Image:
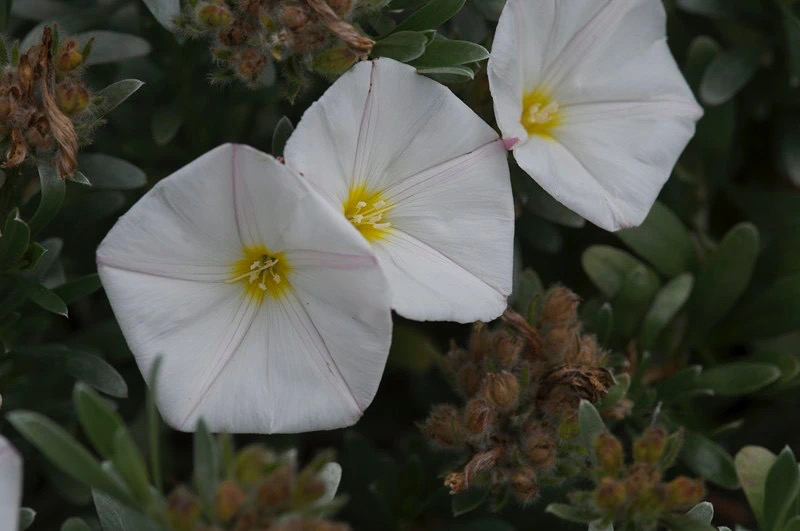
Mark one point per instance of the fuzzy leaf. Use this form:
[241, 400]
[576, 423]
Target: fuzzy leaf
[402, 46]
[431, 15]
[663, 240]
[781, 489]
[709, 460]
[728, 73]
[666, 305]
[752, 466]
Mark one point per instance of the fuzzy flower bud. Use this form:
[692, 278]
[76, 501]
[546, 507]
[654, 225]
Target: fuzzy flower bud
[276, 490]
[524, 485]
[307, 491]
[71, 97]
[69, 57]
[501, 389]
[228, 499]
[560, 307]
[610, 494]
[183, 510]
[443, 426]
[539, 447]
[609, 454]
[294, 17]
[478, 416]
[506, 350]
[214, 15]
[25, 75]
[683, 493]
[469, 378]
[650, 446]
[252, 463]
[249, 63]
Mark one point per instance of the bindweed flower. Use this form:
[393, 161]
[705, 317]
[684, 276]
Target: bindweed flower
[10, 485]
[423, 179]
[593, 103]
[270, 311]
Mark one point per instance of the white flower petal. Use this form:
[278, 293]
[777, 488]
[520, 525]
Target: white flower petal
[10, 486]
[625, 111]
[462, 214]
[309, 359]
[441, 169]
[183, 228]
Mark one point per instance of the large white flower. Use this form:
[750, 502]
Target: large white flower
[10, 486]
[593, 99]
[424, 179]
[270, 310]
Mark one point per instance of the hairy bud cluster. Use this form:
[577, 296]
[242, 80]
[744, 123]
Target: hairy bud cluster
[248, 35]
[522, 384]
[44, 102]
[262, 490]
[636, 492]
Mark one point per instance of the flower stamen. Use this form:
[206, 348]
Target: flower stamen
[540, 113]
[367, 212]
[262, 274]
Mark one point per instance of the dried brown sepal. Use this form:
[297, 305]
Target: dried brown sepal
[346, 32]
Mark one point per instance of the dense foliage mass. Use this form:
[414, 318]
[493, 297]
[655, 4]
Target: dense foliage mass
[641, 379]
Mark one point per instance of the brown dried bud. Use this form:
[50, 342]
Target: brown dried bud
[38, 134]
[539, 446]
[276, 490]
[72, 97]
[479, 416]
[235, 35]
[683, 493]
[482, 462]
[341, 7]
[17, 150]
[650, 446]
[560, 307]
[609, 454]
[524, 485]
[294, 17]
[501, 389]
[469, 379]
[589, 352]
[228, 499]
[444, 427]
[183, 510]
[456, 482]
[249, 63]
[68, 57]
[214, 15]
[561, 344]
[312, 37]
[252, 463]
[480, 342]
[610, 495]
[26, 77]
[506, 349]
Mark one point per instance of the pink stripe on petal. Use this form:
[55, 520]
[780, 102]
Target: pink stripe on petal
[509, 143]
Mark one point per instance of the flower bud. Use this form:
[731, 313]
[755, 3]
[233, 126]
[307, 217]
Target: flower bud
[312, 37]
[25, 75]
[71, 97]
[307, 491]
[610, 495]
[443, 426]
[560, 307]
[609, 454]
[643, 487]
[539, 446]
[248, 63]
[252, 463]
[228, 499]
[276, 490]
[183, 510]
[456, 482]
[650, 446]
[561, 344]
[234, 35]
[501, 389]
[294, 17]
[480, 342]
[478, 416]
[506, 349]
[214, 15]
[524, 485]
[683, 493]
[469, 379]
[68, 57]
[589, 352]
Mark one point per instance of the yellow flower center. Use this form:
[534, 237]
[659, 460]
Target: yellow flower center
[262, 273]
[367, 211]
[540, 113]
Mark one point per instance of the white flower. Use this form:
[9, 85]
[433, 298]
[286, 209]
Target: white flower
[424, 179]
[10, 486]
[270, 310]
[593, 99]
